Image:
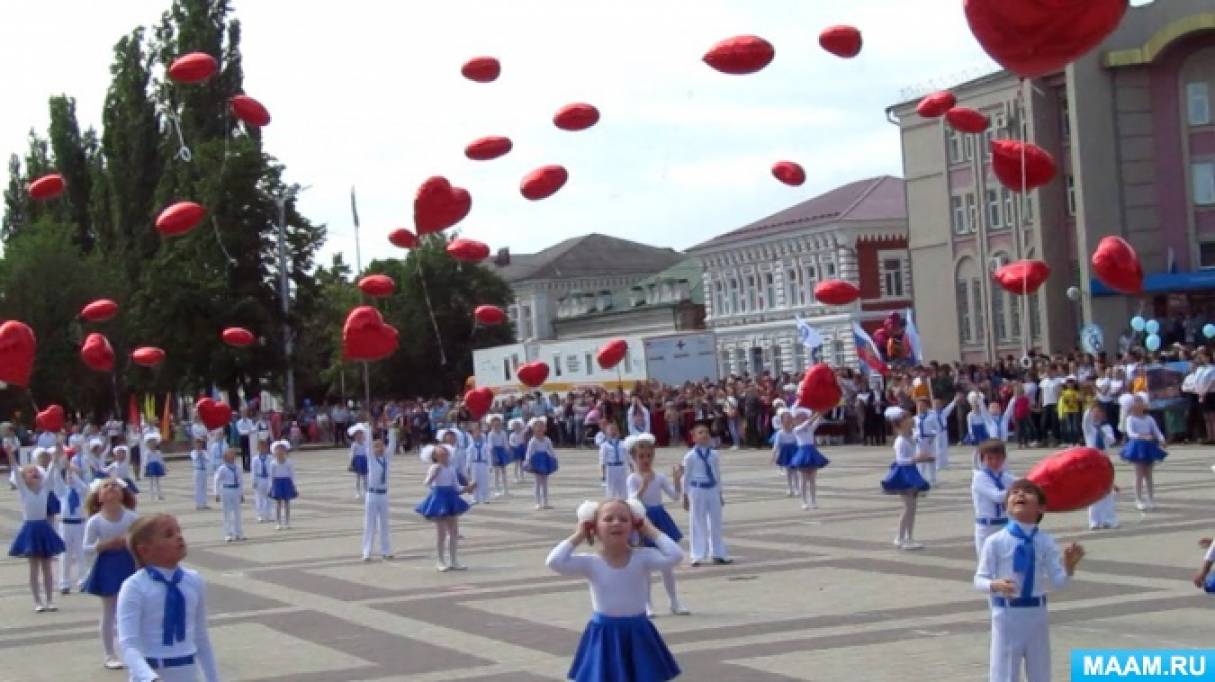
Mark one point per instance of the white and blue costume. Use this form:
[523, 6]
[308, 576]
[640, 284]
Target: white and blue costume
[500, 447]
[982, 426]
[639, 420]
[903, 475]
[615, 469]
[1104, 512]
[703, 485]
[807, 455]
[989, 492]
[162, 626]
[215, 456]
[122, 469]
[927, 428]
[282, 480]
[620, 644]
[198, 464]
[111, 566]
[231, 489]
[153, 460]
[1143, 440]
[784, 446]
[444, 497]
[540, 457]
[942, 449]
[36, 537]
[73, 490]
[478, 468]
[260, 467]
[375, 507]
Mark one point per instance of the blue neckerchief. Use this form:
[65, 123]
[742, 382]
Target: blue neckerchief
[73, 502]
[480, 446]
[235, 473]
[383, 462]
[616, 449]
[998, 481]
[1099, 442]
[704, 458]
[1024, 558]
[174, 629]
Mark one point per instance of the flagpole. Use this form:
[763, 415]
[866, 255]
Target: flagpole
[358, 264]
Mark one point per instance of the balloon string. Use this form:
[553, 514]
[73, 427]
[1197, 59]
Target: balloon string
[183, 151]
[430, 309]
[223, 165]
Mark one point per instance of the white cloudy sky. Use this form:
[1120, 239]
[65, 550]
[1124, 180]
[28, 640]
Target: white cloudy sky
[368, 93]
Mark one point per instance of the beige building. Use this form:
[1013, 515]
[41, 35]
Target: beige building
[1131, 128]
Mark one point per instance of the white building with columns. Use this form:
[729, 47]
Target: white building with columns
[761, 276]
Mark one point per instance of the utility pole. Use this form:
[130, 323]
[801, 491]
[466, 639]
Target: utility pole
[285, 299]
[358, 267]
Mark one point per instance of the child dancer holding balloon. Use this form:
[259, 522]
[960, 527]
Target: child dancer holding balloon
[1143, 441]
[619, 576]
[1099, 435]
[443, 504]
[648, 486]
[111, 509]
[541, 461]
[903, 478]
[36, 540]
[807, 460]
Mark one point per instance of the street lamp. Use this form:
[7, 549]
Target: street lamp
[284, 287]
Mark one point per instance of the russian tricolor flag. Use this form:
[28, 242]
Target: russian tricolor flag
[867, 351]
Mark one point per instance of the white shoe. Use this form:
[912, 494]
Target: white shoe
[366, 558]
[278, 526]
[1093, 526]
[442, 568]
[228, 538]
[113, 664]
[649, 613]
[459, 567]
[805, 507]
[39, 608]
[539, 507]
[678, 609]
[898, 542]
[52, 608]
[1140, 505]
[911, 545]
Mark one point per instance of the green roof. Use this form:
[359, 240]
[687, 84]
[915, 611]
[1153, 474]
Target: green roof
[688, 269]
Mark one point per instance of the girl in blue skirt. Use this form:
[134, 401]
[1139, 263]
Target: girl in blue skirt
[37, 539]
[518, 445]
[110, 505]
[807, 460]
[647, 485]
[443, 504]
[541, 460]
[784, 446]
[282, 484]
[358, 458]
[620, 644]
[903, 478]
[500, 453]
[1143, 441]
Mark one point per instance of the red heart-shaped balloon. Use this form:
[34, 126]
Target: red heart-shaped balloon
[100, 310]
[841, 41]
[966, 120]
[17, 348]
[819, 390]
[936, 104]
[1022, 277]
[51, 419]
[532, 374]
[478, 401]
[97, 353]
[377, 286]
[437, 205]
[576, 116]
[213, 414]
[403, 238]
[366, 336]
[1033, 38]
[543, 182]
[611, 353]
[238, 337]
[489, 147]
[1007, 157]
[836, 292]
[46, 187]
[481, 69]
[467, 250]
[1073, 479]
[740, 55]
[148, 356]
[194, 67]
[789, 173]
[180, 218]
[489, 315]
[251, 111]
[1117, 266]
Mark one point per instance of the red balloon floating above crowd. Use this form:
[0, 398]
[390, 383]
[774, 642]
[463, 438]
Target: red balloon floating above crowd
[936, 104]
[1022, 277]
[101, 310]
[468, 250]
[489, 315]
[1117, 266]
[965, 120]
[819, 390]
[836, 292]
[180, 218]
[1021, 166]
[377, 286]
[366, 336]
[97, 353]
[46, 187]
[1073, 479]
[481, 69]
[51, 419]
[576, 116]
[841, 41]
[532, 374]
[543, 182]
[789, 172]
[740, 55]
[148, 356]
[1032, 38]
[488, 148]
[438, 205]
[403, 238]
[611, 353]
[237, 337]
[478, 401]
[17, 348]
[251, 111]
[194, 67]
[214, 414]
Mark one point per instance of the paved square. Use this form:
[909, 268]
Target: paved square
[819, 595]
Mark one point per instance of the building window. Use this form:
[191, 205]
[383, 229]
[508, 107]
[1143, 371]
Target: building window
[557, 364]
[1198, 103]
[1206, 255]
[892, 277]
[1204, 183]
[1010, 216]
[997, 313]
[740, 360]
[506, 369]
[725, 363]
[1035, 323]
[976, 301]
[828, 269]
[972, 213]
[1027, 208]
[1014, 317]
[586, 362]
[958, 211]
[776, 360]
[968, 145]
[799, 356]
[793, 287]
[956, 142]
[769, 291]
[718, 298]
[963, 302]
[1065, 121]
[988, 136]
[995, 217]
[1071, 194]
[751, 292]
[733, 306]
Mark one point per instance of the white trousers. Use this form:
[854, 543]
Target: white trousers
[392, 441]
[200, 487]
[942, 456]
[704, 509]
[617, 481]
[1020, 636]
[479, 473]
[1104, 513]
[261, 498]
[211, 467]
[73, 555]
[230, 499]
[929, 471]
[981, 534]
[375, 518]
[182, 673]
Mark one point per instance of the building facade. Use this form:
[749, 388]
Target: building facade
[1131, 128]
[759, 278]
[664, 303]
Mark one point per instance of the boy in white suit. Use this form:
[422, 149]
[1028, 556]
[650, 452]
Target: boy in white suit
[703, 498]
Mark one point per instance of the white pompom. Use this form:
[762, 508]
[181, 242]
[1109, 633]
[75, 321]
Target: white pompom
[917, 382]
[973, 398]
[637, 507]
[587, 510]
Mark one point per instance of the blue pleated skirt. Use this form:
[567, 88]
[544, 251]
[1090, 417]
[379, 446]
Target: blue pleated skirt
[36, 539]
[131, 485]
[976, 434]
[501, 455]
[785, 454]
[622, 649]
[519, 452]
[1209, 585]
[52, 504]
[110, 569]
[283, 489]
[662, 521]
[443, 500]
[543, 463]
[154, 469]
[358, 464]
[1143, 451]
[902, 478]
[808, 457]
